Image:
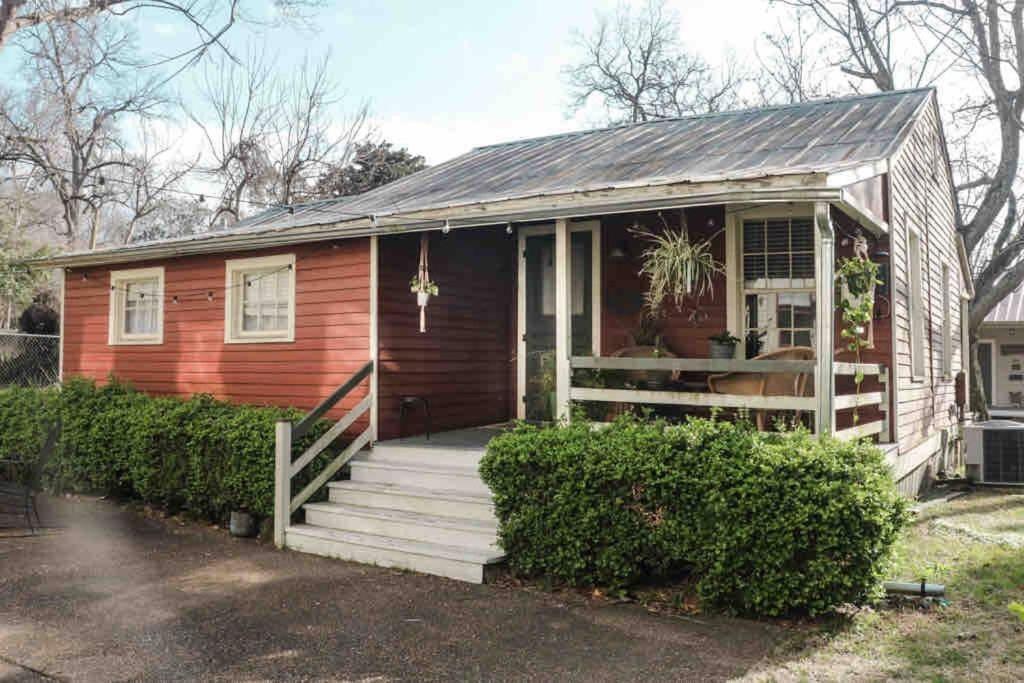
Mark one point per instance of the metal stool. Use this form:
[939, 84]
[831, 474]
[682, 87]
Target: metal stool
[408, 403]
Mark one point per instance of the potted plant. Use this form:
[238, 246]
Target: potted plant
[676, 267]
[723, 345]
[423, 289]
[753, 342]
[243, 524]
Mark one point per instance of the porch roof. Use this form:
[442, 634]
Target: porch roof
[1008, 311]
[807, 143]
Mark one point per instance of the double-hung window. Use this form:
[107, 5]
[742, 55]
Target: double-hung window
[136, 306]
[260, 301]
[778, 281]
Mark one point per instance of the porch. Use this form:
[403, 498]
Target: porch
[534, 319]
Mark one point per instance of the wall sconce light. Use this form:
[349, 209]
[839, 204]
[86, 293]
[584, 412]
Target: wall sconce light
[620, 252]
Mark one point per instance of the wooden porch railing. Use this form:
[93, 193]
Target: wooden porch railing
[287, 433]
[865, 398]
[715, 400]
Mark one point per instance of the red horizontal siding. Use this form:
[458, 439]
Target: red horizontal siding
[464, 363]
[332, 331]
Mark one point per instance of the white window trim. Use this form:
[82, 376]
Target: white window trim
[116, 336]
[915, 302]
[736, 289]
[947, 322]
[233, 301]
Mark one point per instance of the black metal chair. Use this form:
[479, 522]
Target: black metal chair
[18, 494]
[408, 403]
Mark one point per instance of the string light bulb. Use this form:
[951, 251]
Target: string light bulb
[508, 228]
[209, 296]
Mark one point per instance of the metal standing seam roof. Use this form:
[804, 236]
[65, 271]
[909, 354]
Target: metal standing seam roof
[1009, 310]
[821, 136]
[818, 136]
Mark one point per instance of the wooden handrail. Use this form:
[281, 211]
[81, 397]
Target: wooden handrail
[303, 425]
[285, 435]
[866, 369]
[692, 364]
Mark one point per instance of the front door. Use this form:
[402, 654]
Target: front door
[537, 311]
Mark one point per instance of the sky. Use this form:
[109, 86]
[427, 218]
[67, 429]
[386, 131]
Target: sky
[439, 77]
[442, 77]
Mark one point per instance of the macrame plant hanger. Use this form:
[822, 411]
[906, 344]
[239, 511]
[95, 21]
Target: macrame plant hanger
[424, 278]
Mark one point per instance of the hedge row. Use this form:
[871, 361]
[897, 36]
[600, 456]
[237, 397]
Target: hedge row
[769, 523]
[200, 455]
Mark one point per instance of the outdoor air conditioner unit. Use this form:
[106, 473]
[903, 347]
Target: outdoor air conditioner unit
[994, 452]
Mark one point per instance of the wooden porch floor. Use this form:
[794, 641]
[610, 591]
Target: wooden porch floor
[470, 439]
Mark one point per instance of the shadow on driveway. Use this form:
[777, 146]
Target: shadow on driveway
[117, 595]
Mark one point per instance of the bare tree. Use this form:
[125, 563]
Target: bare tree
[144, 186]
[633, 62]
[308, 139]
[64, 128]
[210, 20]
[244, 110]
[793, 68]
[980, 43]
[271, 138]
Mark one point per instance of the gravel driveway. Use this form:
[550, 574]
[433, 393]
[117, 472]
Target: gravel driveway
[114, 594]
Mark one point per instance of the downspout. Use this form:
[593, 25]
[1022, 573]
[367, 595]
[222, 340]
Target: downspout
[824, 376]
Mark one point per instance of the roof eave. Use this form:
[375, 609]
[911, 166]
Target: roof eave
[807, 187]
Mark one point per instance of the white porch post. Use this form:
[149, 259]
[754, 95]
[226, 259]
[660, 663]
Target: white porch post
[282, 479]
[824, 378]
[374, 334]
[563, 316]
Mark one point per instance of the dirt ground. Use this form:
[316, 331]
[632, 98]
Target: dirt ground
[110, 594]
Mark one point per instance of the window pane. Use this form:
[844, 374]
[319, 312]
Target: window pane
[140, 306]
[753, 236]
[785, 338]
[778, 266]
[752, 317]
[802, 234]
[753, 267]
[803, 265]
[266, 297]
[785, 316]
[802, 338]
[778, 236]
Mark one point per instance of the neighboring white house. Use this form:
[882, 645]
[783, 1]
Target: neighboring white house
[1001, 356]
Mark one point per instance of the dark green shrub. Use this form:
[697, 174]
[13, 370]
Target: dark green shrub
[770, 523]
[199, 454]
[25, 415]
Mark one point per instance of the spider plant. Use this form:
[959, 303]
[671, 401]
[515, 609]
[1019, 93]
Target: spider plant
[676, 267]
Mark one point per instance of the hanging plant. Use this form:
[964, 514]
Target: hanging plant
[857, 278]
[676, 267]
[421, 285]
[426, 286]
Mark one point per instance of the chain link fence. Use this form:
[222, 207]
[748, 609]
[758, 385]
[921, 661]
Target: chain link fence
[29, 360]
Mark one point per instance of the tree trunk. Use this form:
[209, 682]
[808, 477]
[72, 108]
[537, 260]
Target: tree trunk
[978, 399]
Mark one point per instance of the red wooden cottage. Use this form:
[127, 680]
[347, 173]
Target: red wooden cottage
[531, 247]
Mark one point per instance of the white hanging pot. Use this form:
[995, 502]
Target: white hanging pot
[422, 298]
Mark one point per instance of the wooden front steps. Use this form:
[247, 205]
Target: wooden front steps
[411, 504]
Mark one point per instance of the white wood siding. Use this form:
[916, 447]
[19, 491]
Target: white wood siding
[922, 201]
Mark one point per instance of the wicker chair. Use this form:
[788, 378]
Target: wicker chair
[767, 383]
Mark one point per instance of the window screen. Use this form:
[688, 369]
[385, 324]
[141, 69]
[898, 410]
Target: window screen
[778, 253]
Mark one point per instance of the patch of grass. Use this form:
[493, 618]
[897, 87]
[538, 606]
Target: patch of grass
[976, 635]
